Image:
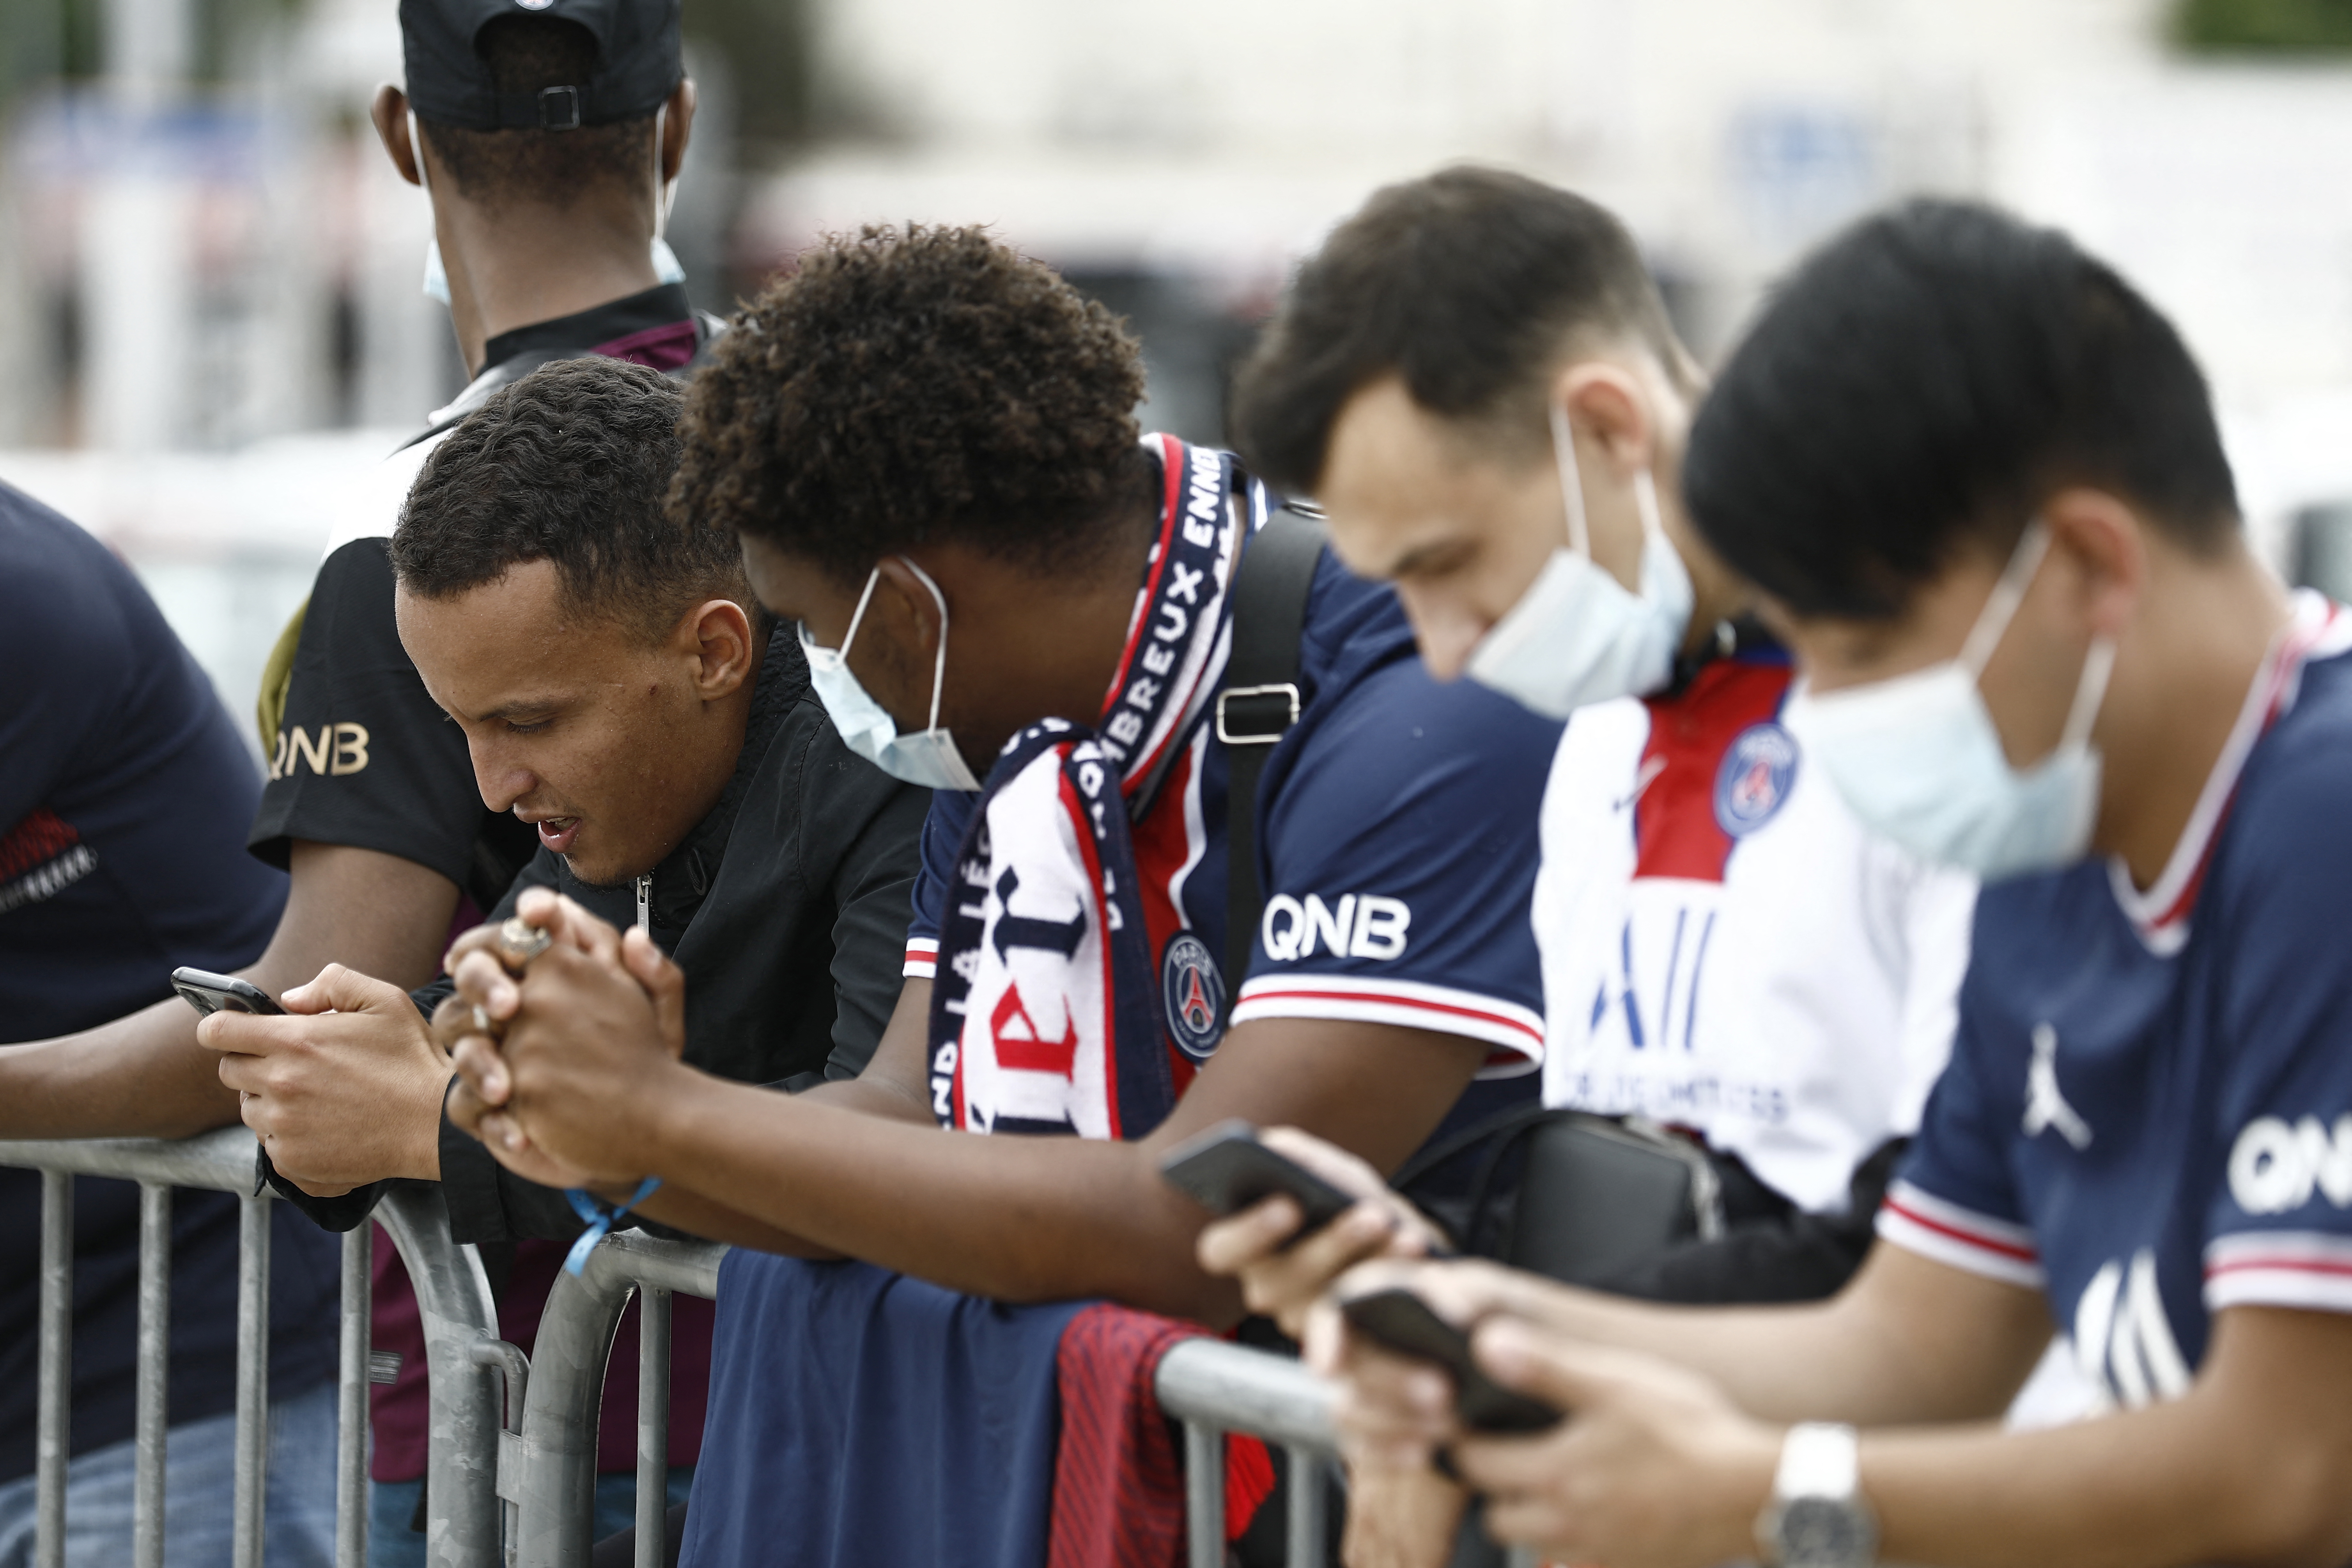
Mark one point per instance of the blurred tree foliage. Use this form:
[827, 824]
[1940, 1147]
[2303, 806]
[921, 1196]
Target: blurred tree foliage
[2264, 26]
[765, 44]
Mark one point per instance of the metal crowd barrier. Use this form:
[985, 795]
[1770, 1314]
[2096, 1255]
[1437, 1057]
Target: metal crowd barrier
[518, 1487]
[454, 1300]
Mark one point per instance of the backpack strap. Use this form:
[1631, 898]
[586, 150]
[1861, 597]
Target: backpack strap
[1257, 706]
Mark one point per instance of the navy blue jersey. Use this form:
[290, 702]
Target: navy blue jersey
[2148, 1110]
[125, 796]
[1398, 852]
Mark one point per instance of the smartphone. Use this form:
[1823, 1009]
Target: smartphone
[1406, 1324]
[210, 993]
[1226, 1169]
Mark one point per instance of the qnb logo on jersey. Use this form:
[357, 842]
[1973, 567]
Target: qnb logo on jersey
[1753, 782]
[2123, 1341]
[1361, 925]
[335, 750]
[2276, 1166]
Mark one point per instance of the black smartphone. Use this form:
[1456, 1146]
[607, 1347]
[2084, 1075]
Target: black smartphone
[1226, 1169]
[210, 993]
[1406, 1324]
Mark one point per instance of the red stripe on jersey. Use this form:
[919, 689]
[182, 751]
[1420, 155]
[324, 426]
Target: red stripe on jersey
[1163, 845]
[1972, 1237]
[1675, 832]
[1393, 999]
[2276, 1265]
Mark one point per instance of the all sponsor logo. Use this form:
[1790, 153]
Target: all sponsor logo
[1192, 993]
[2275, 1165]
[1360, 925]
[1753, 780]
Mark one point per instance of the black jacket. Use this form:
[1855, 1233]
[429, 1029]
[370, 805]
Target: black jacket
[787, 907]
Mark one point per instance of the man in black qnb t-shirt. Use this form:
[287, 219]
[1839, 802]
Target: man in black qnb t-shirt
[622, 695]
[123, 790]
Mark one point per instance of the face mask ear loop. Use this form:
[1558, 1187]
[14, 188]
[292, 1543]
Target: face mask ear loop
[1645, 497]
[665, 191]
[1571, 482]
[2007, 595]
[859, 613]
[940, 665]
[2097, 666]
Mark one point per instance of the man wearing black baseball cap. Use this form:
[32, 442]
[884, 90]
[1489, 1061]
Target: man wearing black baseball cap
[547, 135]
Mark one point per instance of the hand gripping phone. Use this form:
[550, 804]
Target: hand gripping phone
[1226, 1170]
[208, 992]
[1403, 1322]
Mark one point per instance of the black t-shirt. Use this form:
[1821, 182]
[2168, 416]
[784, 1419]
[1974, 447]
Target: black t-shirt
[363, 756]
[124, 791]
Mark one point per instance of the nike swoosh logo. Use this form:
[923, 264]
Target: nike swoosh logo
[1650, 769]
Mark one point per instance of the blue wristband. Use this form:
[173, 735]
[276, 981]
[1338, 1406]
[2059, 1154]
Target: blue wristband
[600, 1217]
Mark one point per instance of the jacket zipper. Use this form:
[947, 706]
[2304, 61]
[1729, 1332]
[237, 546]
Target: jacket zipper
[646, 904]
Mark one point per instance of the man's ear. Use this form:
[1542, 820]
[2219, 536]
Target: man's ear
[717, 634]
[389, 110]
[677, 127]
[2104, 544]
[1605, 407]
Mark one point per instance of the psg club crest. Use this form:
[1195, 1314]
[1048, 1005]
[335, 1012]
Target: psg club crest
[1193, 993]
[1757, 771]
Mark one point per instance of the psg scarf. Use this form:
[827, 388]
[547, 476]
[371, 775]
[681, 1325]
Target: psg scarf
[1044, 1011]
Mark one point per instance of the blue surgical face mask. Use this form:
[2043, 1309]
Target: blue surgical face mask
[1576, 636]
[1919, 761]
[666, 267]
[928, 757]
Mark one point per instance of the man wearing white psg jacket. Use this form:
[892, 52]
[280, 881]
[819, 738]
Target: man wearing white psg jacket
[1476, 379]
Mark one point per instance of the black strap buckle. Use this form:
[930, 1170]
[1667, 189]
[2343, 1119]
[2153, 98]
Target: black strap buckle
[1266, 715]
[564, 102]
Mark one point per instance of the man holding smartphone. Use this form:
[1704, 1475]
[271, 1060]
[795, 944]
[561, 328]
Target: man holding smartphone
[1978, 479]
[1476, 379]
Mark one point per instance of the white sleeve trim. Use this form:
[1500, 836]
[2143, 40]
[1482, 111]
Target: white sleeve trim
[2279, 1269]
[1517, 1031]
[922, 958]
[1937, 1228]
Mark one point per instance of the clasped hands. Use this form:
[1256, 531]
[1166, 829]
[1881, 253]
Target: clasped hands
[559, 1054]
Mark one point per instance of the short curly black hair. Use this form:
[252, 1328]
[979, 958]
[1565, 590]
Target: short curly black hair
[570, 465]
[914, 385]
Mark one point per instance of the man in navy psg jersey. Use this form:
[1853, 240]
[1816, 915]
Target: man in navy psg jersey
[1980, 482]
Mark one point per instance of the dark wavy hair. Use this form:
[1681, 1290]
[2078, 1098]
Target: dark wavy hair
[570, 465]
[908, 386]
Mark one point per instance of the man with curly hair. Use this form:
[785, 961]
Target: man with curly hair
[926, 443]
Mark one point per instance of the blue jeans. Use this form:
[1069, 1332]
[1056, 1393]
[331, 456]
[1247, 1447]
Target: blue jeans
[392, 1504]
[199, 1493]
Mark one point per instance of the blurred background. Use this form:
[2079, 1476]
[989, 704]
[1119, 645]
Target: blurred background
[210, 305]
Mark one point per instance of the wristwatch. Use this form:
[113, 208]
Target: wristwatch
[1817, 1518]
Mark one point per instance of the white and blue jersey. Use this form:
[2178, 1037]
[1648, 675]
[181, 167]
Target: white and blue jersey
[1399, 847]
[2148, 1110]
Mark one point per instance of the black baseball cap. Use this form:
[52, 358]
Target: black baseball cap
[639, 62]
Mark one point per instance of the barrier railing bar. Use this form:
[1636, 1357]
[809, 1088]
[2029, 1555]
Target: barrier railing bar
[252, 1462]
[1307, 1528]
[653, 1424]
[53, 1432]
[352, 1398]
[461, 1443]
[1204, 1495]
[513, 1368]
[152, 1384]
